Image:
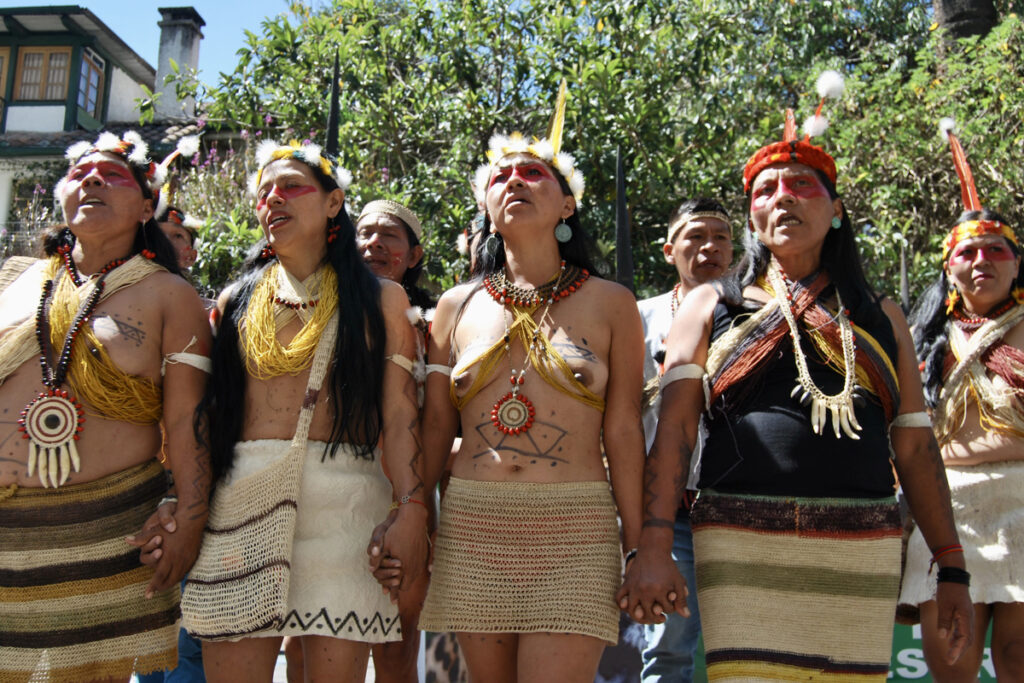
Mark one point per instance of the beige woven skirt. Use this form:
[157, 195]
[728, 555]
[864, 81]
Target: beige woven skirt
[526, 558]
[331, 591]
[988, 506]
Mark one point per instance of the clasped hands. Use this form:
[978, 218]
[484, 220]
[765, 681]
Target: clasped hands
[652, 588]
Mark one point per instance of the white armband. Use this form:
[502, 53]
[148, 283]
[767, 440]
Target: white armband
[437, 367]
[918, 419]
[401, 361]
[202, 363]
[688, 371]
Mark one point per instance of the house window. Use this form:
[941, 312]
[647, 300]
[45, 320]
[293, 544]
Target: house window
[5, 55]
[43, 73]
[90, 86]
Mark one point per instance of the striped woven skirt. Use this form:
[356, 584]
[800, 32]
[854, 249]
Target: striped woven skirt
[796, 588]
[72, 592]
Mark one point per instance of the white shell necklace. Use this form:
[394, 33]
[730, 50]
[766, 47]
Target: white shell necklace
[806, 391]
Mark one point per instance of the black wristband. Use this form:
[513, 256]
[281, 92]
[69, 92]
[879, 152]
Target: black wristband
[631, 555]
[953, 575]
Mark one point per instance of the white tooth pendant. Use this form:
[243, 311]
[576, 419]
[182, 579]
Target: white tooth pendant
[839, 406]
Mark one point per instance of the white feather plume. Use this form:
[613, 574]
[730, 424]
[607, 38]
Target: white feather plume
[815, 126]
[479, 183]
[343, 177]
[543, 149]
[188, 146]
[264, 150]
[946, 126]
[251, 183]
[140, 150]
[77, 150]
[107, 142]
[830, 84]
[462, 243]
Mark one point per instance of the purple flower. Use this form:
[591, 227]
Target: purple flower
[201, 122]
[384, 174]
[307, 141]
[259, 133]
[39, 189]
[245, 134]
[268, 119]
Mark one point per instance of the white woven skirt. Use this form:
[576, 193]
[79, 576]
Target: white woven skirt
[988, 505]
[331, 591]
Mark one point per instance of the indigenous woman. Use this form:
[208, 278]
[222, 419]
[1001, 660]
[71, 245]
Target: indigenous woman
[303, 394]
[810, 377]
[121, 340]
[388, 235]
[969, 334]
[538, 360]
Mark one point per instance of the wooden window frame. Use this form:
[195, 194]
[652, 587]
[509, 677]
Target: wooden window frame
[90, 64]
[44, 81]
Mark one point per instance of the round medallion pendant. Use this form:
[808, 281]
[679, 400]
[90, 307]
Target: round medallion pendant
[51, 423]
[513, 413]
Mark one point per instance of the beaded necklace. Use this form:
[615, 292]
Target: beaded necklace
[840, 405]
[514, 413]
[53, 421]
[674, 302]
[966, 321]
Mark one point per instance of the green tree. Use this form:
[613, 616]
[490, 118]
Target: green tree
[688, 90]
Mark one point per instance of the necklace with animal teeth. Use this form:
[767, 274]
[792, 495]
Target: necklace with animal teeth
[53, 420]
[841, 405]
[514, 413]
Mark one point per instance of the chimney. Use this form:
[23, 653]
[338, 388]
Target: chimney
[179, 40]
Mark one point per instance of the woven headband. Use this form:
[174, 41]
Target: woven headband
[386, 206]
[977, 228]
[680, 223]
[312, 155]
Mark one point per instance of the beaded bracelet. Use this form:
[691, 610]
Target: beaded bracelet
[406, 499]
[953, 575]
[942, 552]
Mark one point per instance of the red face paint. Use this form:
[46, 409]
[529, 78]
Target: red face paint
[800, 186]
[111, 172]
[527, 172]
[971, 253]
[285, 193]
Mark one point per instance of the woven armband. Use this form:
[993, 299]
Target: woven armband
[919, 419]
[688, 371]
[953, 575]
[437, 367]
[401, 361]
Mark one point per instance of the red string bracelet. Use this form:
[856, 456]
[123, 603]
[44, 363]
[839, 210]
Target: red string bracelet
[942, 552]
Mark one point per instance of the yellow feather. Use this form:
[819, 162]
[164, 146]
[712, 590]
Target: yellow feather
[558, 120]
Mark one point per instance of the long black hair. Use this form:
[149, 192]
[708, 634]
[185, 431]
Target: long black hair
[417, 295]
[840, 258]
[356, 378]
[928, 318]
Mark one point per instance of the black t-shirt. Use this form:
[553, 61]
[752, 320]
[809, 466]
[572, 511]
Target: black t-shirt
[760, 439]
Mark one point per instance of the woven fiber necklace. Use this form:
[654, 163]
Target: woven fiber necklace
[53, 420]
[839, 405]
[514, 413]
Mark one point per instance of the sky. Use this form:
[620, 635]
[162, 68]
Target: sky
[135, 22]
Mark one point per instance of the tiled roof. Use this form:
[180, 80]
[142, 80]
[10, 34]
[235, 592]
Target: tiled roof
[160, 137]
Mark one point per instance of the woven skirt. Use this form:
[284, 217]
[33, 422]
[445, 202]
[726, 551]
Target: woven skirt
[988, 506]
[72, 592]
[331, 591]
[796, 588]
[526, 558]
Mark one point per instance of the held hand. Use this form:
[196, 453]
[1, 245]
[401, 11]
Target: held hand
[955, 618]
[652, 587]
[406, 540]
[179, 552]
[149, 539]
[374, 549]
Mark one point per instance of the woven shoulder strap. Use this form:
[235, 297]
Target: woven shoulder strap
[12, 268]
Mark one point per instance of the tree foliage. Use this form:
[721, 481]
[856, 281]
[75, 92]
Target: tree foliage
[687, 90]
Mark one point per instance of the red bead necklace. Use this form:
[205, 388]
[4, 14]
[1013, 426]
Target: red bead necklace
[966, 321]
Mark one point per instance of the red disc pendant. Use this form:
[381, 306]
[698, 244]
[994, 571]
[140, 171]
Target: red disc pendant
[513, 414]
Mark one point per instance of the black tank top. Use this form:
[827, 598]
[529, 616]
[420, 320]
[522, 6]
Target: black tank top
[760, 439]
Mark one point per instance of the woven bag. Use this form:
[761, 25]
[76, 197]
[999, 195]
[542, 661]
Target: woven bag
[239, 583]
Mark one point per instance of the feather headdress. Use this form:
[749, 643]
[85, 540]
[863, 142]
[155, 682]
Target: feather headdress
[830, 85]
[130, 147]
[549, 149]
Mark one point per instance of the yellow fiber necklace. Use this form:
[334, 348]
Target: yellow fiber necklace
[265, 357]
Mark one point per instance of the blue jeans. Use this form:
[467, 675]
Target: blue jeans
[671, 645]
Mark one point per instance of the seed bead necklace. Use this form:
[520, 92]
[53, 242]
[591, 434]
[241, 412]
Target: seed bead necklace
[966, 321]
[676, 299]
[839, 405]
[53, 421]
[514, 413]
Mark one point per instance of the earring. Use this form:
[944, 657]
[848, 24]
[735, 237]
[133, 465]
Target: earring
[563, 232]
[267, 253]
[837, 222]
[952, 299]
[1018, 294]
[492, 244]
[332, 233]
[750, 225]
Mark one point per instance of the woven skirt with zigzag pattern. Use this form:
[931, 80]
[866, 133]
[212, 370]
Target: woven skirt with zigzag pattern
[796, 589]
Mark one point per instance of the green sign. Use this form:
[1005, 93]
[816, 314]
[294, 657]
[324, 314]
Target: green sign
[908, 657]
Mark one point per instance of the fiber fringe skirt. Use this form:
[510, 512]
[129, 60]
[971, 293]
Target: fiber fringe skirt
[72, 592]
[796, 588]
[526, 558]
[988, 507]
